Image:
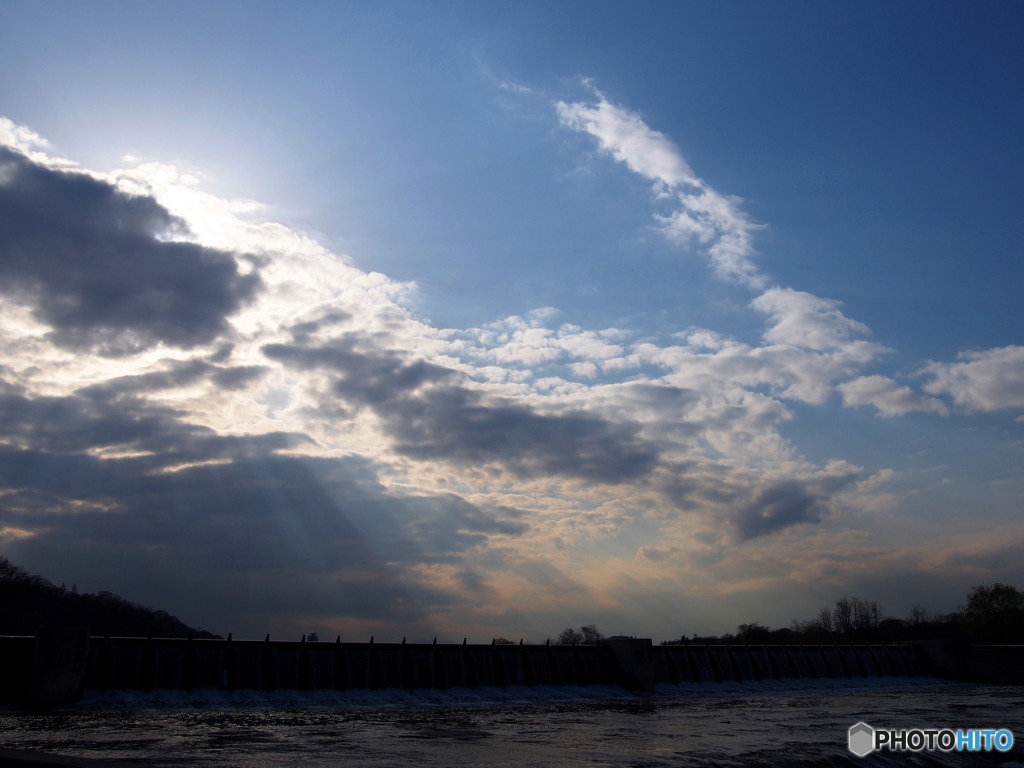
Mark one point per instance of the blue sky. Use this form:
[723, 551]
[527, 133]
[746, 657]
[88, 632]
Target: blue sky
[489, 318]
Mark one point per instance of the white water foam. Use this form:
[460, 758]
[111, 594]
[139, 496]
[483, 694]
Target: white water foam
[220, 699]
[213, 698]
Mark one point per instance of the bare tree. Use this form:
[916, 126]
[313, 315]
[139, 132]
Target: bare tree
[588, 634]
[825, 619]
[875, 610]
[861, 613]
[842, 616]
[569, 636]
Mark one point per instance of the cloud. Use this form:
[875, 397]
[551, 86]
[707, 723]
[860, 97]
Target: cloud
[890, 398]
[250, 529]
[629, 140]
[432, 413]
[810, 343]
[95, 421]
[793, 501]
[712, 219]
[24, 140]
[982, 380]
[527, 346]
[656, 554]
[103, 270]
[810, 347]
[804, 320]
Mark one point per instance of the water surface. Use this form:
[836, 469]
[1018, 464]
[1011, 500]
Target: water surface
[765, 725]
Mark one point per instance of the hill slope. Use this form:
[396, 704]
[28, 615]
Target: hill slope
[28, 601]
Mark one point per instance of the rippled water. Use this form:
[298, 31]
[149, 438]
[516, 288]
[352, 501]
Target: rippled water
[724, 725]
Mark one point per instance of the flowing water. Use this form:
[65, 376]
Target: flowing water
[775, 723]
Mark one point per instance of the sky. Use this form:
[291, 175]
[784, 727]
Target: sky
[478, 319]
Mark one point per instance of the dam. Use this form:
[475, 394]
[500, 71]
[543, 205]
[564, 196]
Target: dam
[58, 664]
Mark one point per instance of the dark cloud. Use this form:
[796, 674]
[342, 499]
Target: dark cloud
[431, 414]
[238, 376]
[76, 424]
[174, 374]
[303, 332]
[793, 502]
[96, 266]
[218, 528]
[257, 534]
[780, 506]
[459, 425]
[94, 419]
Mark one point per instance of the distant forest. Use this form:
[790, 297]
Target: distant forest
[28, 602]
[992, 613]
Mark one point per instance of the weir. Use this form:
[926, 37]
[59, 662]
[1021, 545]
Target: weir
[147, 664]
[60, 663]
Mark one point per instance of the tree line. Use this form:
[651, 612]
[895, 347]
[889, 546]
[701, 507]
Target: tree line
[992, 613]
[28, 602]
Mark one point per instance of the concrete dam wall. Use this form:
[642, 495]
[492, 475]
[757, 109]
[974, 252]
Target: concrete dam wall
[268, 665]
[60, 663]
[707, 663]
[182, 664]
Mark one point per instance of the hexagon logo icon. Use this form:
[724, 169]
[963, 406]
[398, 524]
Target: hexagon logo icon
[861, 739]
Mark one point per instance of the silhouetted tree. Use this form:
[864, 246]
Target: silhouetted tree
[866, 614]
[842, 616]
[569, 636]
[918, 614]
[994, 613]
[587, 634]
[861, 620]
[753, 633]
[824, 620]
[28, 601]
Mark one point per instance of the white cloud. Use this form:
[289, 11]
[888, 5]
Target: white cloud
[526, 342]
[890, 398]
[804, 320]
[509, 85]
[983, 380]
[717, 222]
[712, 219]
[20, 137]
[630, 140]
[810, 345]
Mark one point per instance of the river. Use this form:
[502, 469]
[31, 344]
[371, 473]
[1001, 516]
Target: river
[773, 724]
